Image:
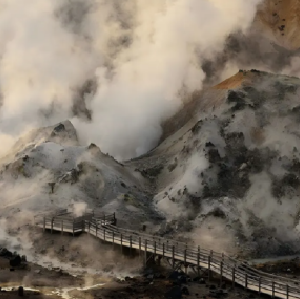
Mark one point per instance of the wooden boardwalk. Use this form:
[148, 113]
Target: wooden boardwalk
[178, 254]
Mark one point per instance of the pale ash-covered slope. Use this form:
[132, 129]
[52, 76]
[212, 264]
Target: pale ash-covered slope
[51, 158]
[234, 163]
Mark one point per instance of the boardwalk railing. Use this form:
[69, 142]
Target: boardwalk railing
[63, 222]
[199, 259]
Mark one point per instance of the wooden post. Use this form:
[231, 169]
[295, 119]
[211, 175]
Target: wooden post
[221, 272]
[62, 227]
[140, 246]
[209, 257]
[44, 224]
[233, 277]
[154, 247]
[73, 227]
[198, 261]
[246, 281]
[104, 234]
[163, 250]
[145, 253]
[287, 291]
[185, 264]
[96, 228]
[121, 243]
[113, 240]
[259, 286]
[52, 220]
[114, 217]
[130, 239]
[167, 245]
[173, 257]
[273, 289]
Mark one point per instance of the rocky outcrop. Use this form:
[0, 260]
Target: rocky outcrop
[245, 150]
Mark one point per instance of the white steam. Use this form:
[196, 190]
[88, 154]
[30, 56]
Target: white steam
[142, 54]
[79, 208]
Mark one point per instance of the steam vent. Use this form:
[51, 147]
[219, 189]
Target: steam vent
[150, 149]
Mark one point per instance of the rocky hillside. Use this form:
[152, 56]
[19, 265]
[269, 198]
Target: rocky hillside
[226, 173]
[234, 157]
[48, 169]
[226, 170]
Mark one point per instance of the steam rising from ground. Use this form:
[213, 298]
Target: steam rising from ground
[215, 237]
[79, 209]
[144, 58]
[142, 54]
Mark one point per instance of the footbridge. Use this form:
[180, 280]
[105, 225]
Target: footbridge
[178, 254]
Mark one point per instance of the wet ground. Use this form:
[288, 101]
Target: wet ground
[158, 288]
[152, 283]
[26, 294]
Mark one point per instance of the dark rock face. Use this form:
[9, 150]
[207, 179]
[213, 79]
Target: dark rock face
[240, 161]
[197, 127]
[237, 99]
[92, 146]
[214, 156]
[231, 180]
[253, 137]
[247, 97]
[5, 253]
[59, 128]
[256, 98]
[152, 172]
[15, 261]
[283, 186]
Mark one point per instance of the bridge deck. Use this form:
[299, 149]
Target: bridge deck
[193, 257]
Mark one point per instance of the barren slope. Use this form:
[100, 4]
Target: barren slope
[225, 174]
[51, 157]
[280, 19]
[234, 157]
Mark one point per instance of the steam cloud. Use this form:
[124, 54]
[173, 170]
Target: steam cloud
[140, 54]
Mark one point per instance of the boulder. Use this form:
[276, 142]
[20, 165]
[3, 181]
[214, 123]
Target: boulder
[5, 253]
[174, 293]
[15, 261]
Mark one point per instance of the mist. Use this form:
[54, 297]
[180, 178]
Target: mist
[139, 56]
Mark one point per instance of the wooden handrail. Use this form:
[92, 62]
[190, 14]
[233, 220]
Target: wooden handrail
[232, 269]
[228, 262]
